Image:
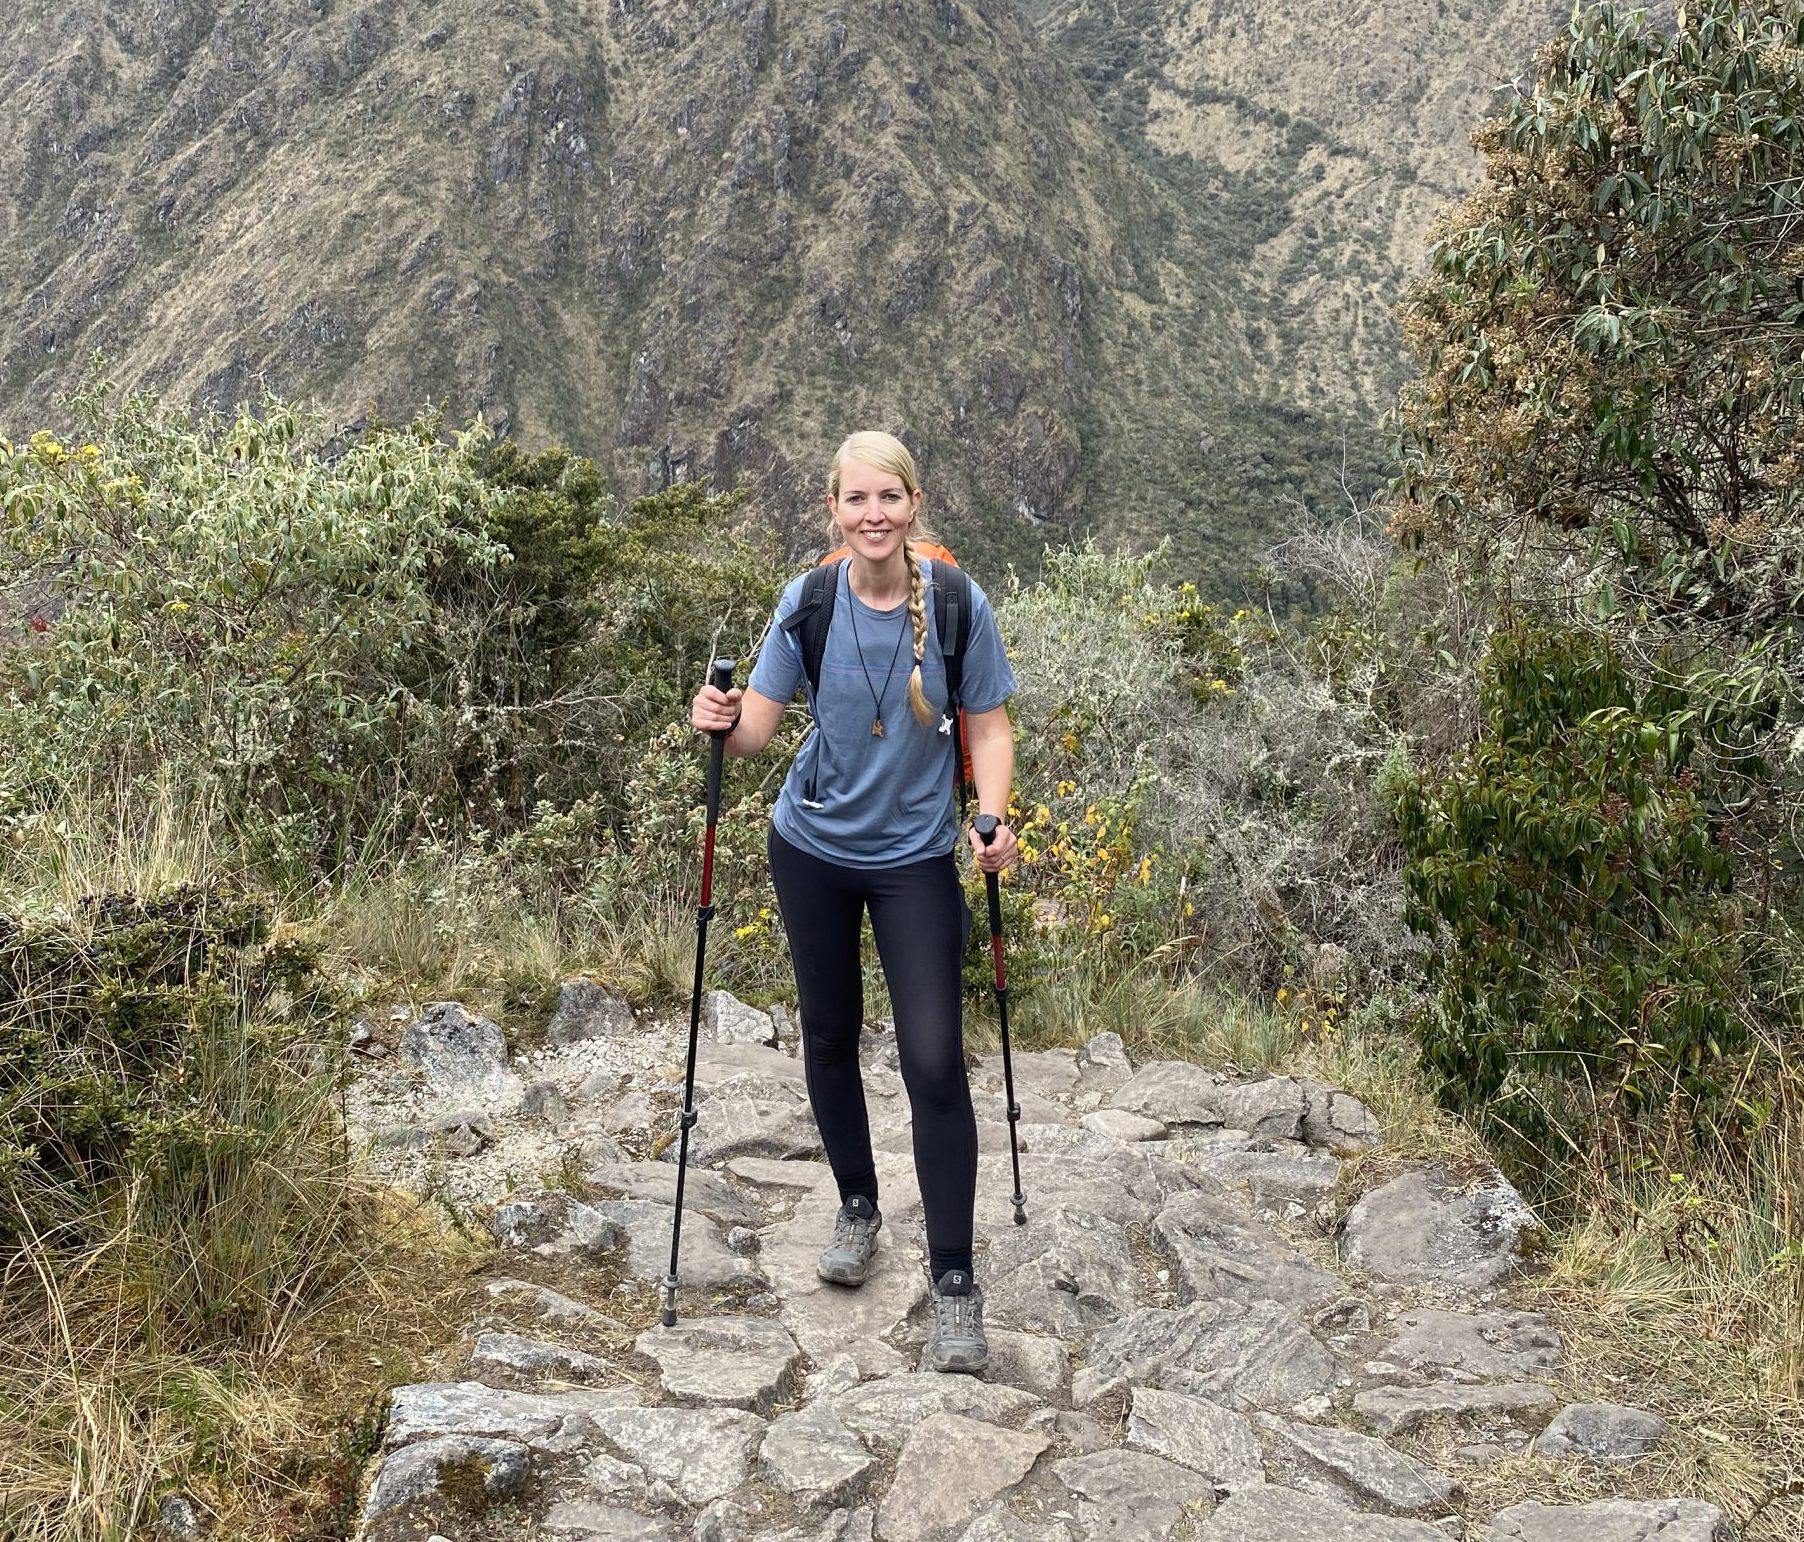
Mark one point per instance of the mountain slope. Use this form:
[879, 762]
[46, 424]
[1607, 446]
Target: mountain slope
[1339, 130]
[708, 240]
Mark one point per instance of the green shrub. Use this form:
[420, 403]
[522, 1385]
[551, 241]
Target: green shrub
[1588, 956]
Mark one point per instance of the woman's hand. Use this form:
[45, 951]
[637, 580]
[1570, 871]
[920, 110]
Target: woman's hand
[715, 712]
[1000, 853]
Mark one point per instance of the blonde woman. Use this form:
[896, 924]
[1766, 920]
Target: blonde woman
[866, 821]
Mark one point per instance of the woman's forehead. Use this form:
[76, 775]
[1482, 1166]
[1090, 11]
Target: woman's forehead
[861, 476]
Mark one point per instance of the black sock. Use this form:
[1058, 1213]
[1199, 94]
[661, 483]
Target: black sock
[949, 1258]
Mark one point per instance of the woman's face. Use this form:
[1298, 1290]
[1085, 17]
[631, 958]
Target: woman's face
[873, 510]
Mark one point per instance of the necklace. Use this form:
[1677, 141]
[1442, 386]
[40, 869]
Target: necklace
[876, 695]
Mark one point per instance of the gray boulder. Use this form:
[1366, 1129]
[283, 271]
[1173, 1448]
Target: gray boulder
[814, 1458]
[950, 1468]
[1612, 1520]
[1174, 1092]
[729, 1362]
[1363, 1470]
[1130, 1496]
[1271, 1109]
[1256, 1356]
[701, 1453]
[728, 1020]
[1428, 1227]
[1218, 1250]
[1337, 1120]
[553, 1224]
[1199, 1435]
[1119, 1124]
[533, 1360]
[1274, 1514]
[547, 1419]
[1504, 1345]
[1398, 1410]
[1034, 1362]
[459, 1055]
[449, 1473]
[552, 1305]
[1606, 1433]
[586, 1010]
[882, 1412]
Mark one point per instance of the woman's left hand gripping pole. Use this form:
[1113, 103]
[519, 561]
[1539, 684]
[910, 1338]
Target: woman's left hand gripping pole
[722, 680]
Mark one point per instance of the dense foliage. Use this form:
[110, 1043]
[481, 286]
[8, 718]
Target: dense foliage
[1586, 945]
[1609, 335]
[1609, 425]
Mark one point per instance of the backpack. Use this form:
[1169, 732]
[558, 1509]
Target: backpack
[951, 587]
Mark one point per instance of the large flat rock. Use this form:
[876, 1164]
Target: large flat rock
[1251, 1356]
[1275, 1514]
[725, 1362]
[1065, 1273]
[882, 1412]
[1196, 1434]
[704, 1192]
[812, 1456]
[821, 1316]
[424, 1409]
[1398, 1410]
[445, 1473]
[1130, 1496]
[1608, 1434]
[1219, 1251]
[530, 1361]
[1499, 1345]
[1364, 1471]
[701, 1453]
[1174, 1092]
[949, 1469]
[706, 1260]
[1612, 1520]
[1430, 1227]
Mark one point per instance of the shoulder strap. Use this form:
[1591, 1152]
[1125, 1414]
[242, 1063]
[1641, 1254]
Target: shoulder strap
[809, 621]
[952, 621]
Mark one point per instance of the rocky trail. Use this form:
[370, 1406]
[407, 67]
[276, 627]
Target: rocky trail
[1187, 1337]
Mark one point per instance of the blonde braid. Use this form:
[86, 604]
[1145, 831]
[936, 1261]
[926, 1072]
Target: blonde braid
[917, 613]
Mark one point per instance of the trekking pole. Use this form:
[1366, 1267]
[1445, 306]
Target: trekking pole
[985, 826]
[722, 680]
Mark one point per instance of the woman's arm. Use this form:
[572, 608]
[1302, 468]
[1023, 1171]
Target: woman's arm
[756, 717]
[991, 739]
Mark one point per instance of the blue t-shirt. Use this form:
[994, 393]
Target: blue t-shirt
[851, 797]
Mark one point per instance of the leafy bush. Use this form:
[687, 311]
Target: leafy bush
[1587, 954]
[161, 1104]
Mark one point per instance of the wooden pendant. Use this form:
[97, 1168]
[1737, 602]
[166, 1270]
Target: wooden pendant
[877, 728]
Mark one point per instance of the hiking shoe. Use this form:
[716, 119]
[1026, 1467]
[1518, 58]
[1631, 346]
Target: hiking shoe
[956, 1341]
[847, 1258]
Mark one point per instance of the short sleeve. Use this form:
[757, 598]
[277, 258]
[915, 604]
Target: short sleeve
[989, 678]
[778, 672]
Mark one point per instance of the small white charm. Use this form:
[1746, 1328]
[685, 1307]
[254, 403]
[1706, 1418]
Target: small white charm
[945, 724]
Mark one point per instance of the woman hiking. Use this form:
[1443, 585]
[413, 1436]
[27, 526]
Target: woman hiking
[865, 820]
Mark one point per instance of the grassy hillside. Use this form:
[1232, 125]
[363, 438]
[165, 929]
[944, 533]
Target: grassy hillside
[698, 243]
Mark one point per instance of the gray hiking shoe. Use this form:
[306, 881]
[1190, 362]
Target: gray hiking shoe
[956, 1341]
[846, 1260]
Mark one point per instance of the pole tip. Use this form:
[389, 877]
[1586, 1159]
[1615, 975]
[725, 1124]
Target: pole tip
[668, 1317]
[1020, 1214]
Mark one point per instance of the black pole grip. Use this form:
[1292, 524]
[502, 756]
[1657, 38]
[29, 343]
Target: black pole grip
[985, 826]
[722, 680]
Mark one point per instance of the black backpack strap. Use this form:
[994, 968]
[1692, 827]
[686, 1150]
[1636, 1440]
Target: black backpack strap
[952, 622]
[809, 621]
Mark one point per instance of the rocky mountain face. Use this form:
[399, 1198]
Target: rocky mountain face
[1060, 257]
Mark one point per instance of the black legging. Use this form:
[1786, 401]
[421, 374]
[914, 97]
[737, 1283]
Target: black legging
[921, 921]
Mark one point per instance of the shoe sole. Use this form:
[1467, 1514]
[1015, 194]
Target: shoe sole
[969, 1363]
[849, 1275]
